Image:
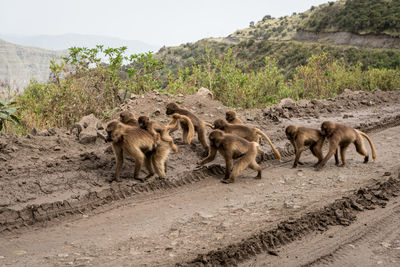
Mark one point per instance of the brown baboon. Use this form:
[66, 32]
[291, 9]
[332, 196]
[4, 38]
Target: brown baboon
[231, 117]
[249, 133]
[158, 133]
[340, 135]
[139, 144]
[233, 147]
[199, 125]
[128, 118]
[300, 137]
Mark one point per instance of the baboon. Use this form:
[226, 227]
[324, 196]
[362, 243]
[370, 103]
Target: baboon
[300, 137]
[231, 117]
[139, 144]
[249, 133]
[128, 118]
[340, 135]
[233, 147]
[199, 125]
[163, 131]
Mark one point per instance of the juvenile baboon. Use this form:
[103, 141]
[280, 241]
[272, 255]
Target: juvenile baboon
[139, 144]
[249, 133]
[301, 137]
[233, 147]
[340, 135]
[128, 118]
[161, 132]
[199, 125]
[231, 117]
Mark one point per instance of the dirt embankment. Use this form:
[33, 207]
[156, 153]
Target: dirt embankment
[348, 38]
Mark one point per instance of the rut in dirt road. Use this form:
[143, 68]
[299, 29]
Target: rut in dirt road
[341, 212]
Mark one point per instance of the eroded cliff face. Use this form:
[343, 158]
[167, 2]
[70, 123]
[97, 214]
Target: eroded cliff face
[347, 38]
[19, 64]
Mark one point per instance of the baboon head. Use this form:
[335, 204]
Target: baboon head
[219, 124]
[144, 122]
[327, 128]
[125, 116]
[114, 133]
[171, 108]
[290, 131]
[216, 137]
[230, 115]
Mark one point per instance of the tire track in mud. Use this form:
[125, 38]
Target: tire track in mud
[12, 219]
[372, 234]
[341, 212]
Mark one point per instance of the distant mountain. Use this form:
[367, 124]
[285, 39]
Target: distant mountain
[18, 64]
[65, 41]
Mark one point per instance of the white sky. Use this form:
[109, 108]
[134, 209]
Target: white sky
[158, 22]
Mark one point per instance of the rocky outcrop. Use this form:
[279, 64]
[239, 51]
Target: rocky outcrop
[19, 64]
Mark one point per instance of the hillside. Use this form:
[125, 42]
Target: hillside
[293, 39]
[19, 63]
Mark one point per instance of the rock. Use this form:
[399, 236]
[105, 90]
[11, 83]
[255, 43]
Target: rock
[205, 93]
[157, 112]
[287, 103]
[303, 103]
[87, 129]
[88, 136]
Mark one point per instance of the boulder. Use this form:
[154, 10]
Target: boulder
[287, 103]
[205, 93]
[87, 129]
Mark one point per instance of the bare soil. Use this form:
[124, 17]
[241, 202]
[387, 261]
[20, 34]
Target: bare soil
[58, 207]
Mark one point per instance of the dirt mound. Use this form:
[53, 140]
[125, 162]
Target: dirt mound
[348, 100]
[341, 212]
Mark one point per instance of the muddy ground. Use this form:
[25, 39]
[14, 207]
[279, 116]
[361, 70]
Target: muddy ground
[58, 207]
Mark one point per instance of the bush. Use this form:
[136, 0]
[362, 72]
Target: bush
[82, 84]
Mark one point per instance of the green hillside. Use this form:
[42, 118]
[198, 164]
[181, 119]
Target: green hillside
[356, 16]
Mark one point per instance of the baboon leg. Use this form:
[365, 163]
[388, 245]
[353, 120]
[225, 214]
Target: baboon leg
[139, 157]
[228, 165]
[185, 132]
[299, 150]
[210, 157]
[201, 134]
[361, 149]
[343, 155]
[149, 166]
[119, 157]
[253, 165]
[332, 150]
[261, 153]
[174, 129]
[316, 150]
[337, 157]
[240, 165]
[159, 159]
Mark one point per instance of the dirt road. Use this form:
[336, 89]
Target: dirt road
[195, 219]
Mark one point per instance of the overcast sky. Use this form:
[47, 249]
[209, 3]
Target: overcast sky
[158, 22]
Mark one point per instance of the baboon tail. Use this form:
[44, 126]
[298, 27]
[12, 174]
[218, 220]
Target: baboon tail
[276, 152]
[370, 143]
[174, 122]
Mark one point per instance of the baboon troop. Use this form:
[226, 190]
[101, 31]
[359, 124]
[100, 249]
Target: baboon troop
[149, 142]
